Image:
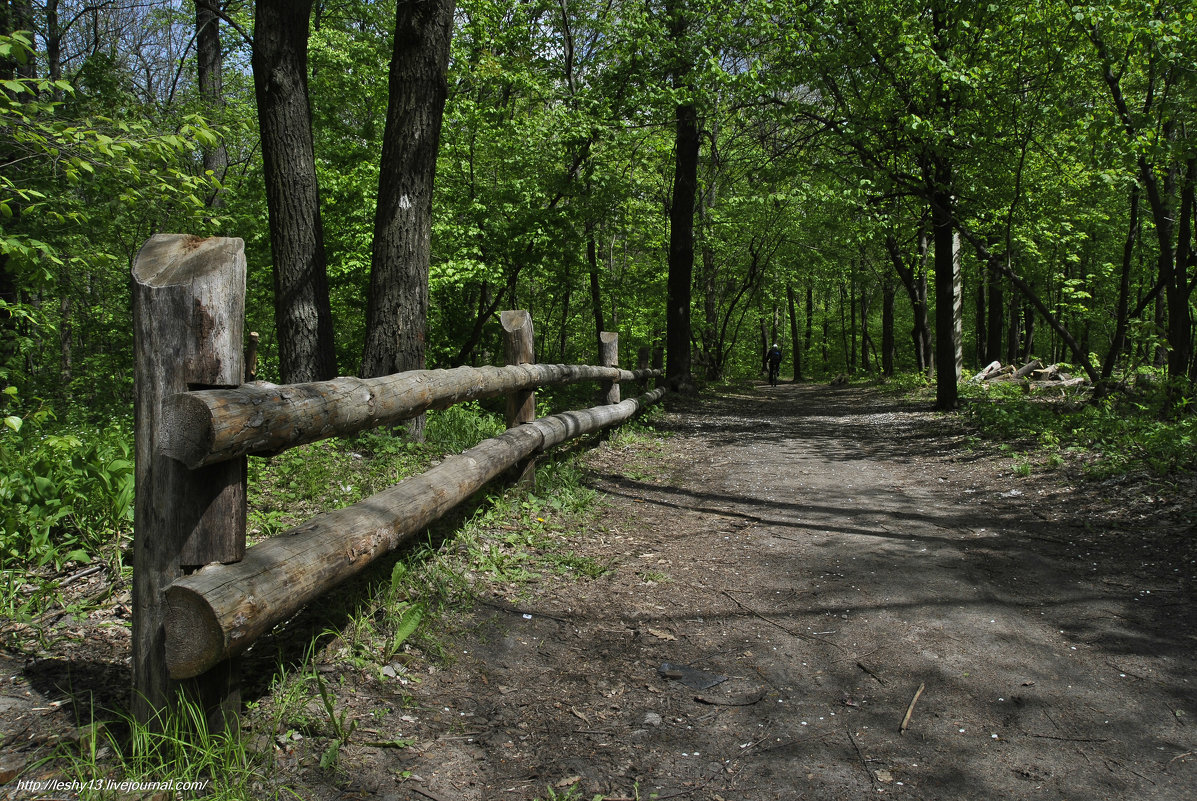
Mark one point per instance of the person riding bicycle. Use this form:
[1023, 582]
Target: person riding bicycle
[773, 357]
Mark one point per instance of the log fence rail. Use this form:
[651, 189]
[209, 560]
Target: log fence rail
[200, 596]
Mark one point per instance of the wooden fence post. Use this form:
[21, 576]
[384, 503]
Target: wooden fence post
[519, 347]
[643, 359]
[609, 357]
[659, 364]
[188, 318]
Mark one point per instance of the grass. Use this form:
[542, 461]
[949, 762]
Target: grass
[1142, 429]
[109, 756]
[398, 616]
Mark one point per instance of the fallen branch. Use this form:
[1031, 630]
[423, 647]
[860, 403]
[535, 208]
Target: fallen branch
[771, 622]
[84, 573]
[880, 680]
[863, 762]
[910, 709]
[1068, 739]
[747, 700]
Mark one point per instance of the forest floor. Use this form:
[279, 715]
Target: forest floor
[792, 576]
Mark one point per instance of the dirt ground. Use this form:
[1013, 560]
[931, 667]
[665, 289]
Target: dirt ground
[795, 575]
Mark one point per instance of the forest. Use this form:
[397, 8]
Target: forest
[883, 188]
[895, 193]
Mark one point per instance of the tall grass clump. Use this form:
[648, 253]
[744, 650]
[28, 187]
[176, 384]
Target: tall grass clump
[119, 758]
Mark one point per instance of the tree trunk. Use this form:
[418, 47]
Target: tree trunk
[795, 342]
[681, 214]
[852, 334]
[563, 333]
[1118, 342]
[1013, 334]
[303, 314]
[22, 20]
[888, 350]
[397, 311]
[65, 309]
[825, 328]
[53, 47]
[980, 321]
[8, 282]
[1028, 328]
[209, 60]
[914, 281]
[844, 301]
[948, 355]
[1180, 321]
[867, 348]
[810, 316]
[764, 346]
[681, 249]
[995, 316]
[596, 295]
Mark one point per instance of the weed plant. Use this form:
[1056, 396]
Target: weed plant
[1140, 429]
[65, 493]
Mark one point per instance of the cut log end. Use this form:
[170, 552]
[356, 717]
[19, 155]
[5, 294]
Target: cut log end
[194, 638]
[515, 320]
[185, 430]
[172, 259]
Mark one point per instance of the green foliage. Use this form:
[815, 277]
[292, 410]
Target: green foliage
[341, 731]
[65, 493]
[463, 426]
[1140, 430]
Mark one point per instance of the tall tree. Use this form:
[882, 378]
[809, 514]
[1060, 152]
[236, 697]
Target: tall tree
[681, 209]
[303, 314]
[397, 312]
[209, 62]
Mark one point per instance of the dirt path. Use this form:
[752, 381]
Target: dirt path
[829, 552]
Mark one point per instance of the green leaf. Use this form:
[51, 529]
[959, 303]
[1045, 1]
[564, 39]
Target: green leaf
[13, 422]
[407, 625]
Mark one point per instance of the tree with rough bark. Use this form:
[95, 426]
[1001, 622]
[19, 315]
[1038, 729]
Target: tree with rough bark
[209, 63]
[397, 309]
[303, 313]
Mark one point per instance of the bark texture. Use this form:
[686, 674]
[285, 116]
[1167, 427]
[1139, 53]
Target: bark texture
[948, 300]
[397, 311]
[209, 62]
[681, 212]
[188, 300]
[303, 315]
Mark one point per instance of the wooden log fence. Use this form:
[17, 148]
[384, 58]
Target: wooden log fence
[201, 597]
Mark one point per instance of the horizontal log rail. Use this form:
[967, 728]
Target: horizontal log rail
[199, 595]
[210, 426]
[216, 612]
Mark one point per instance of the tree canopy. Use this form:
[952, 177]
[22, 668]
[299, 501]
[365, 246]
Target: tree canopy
[876, 184]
